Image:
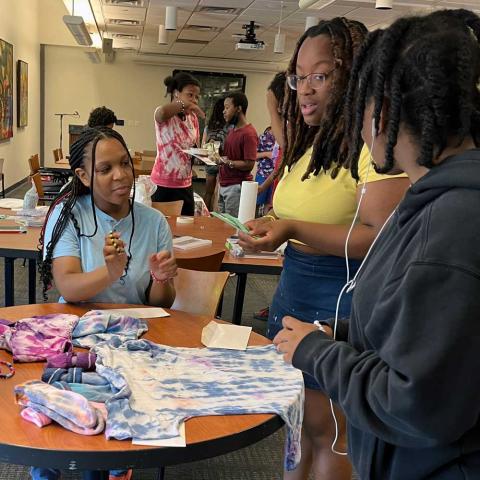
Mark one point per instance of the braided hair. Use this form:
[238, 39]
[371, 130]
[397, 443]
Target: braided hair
[216, 120]
[327, 139]
[424, 72]
[83, 148]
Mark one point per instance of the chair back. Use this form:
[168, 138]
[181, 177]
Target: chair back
[2, 161]
[37, 180]
[58, 155]
[199, 293]
[149, 153]
[34, 163]
[169, 208]
[208, 263]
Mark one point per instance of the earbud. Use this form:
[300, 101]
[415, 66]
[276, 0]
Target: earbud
[374, 130]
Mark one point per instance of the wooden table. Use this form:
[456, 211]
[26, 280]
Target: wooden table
[14, 246]
[214, 229]
[19, 245]
[23, 443]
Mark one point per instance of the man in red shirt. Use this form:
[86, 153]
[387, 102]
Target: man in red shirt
[240, 150]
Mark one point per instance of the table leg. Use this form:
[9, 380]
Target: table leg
[220, 307]
[160, 473]
[239, 297]
[95, 475]
[32, 281]
[9, 281]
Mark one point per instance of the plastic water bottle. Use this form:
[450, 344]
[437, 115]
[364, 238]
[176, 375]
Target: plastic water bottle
[30, 200]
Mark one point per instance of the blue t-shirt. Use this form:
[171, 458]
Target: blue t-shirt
[152, 234]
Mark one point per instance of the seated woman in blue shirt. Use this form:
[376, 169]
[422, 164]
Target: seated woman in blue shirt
[100, 246]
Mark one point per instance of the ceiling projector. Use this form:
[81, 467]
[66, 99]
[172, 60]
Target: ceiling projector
[259, 45]
[248, 40]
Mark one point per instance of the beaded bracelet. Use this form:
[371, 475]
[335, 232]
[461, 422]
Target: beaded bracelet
[156, 279]
[182, 103]
[10, 367]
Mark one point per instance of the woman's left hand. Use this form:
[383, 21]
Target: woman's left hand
[163, 265]
[264, 235]
[288, 339]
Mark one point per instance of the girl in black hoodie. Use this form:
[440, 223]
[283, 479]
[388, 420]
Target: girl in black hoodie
[405, 367]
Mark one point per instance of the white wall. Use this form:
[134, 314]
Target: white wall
[131, 90]
[19, 26]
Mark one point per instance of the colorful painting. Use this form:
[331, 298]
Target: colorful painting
[6, 90]
[22, 94]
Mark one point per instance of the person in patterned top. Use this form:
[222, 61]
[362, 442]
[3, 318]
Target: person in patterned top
[176, 129]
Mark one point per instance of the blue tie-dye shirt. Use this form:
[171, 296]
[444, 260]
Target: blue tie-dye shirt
[161, 386]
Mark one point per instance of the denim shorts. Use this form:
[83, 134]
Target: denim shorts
[308, 290]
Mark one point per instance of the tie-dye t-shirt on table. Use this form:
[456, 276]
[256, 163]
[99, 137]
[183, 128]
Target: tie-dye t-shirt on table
[161, 386]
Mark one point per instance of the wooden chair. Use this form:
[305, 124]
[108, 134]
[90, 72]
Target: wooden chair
[58, 155]
[34, 163]
[52, 180]
[208, 263]
[43, 197]
[198, 292]
[169, 208]
[149, 153]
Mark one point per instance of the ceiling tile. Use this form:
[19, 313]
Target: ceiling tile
[196, 35]
[214, 20]
[185, 49]
[226, 3]
[124, 13]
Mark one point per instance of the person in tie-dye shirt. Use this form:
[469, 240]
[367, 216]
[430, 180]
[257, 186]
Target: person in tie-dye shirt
[177, 129]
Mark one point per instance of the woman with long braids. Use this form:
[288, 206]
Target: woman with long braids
[404, 367]
[313, 207]
[98, 245]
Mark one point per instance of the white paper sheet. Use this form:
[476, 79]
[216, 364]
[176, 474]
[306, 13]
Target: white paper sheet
[221, 335]
[138, 312]
[202, 158]
[179, 441]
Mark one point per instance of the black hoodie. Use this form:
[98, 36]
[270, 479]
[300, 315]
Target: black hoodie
[408, 379]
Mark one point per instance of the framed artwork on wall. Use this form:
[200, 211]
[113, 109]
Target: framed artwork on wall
[6, 90]
[22, 93]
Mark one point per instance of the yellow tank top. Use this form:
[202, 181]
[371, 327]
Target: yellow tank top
[320, 198]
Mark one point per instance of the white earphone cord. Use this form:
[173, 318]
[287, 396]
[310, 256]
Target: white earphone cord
[350, 284]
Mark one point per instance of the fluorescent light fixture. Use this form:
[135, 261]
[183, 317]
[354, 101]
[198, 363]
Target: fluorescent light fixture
[279, 45]
[310, 22]
[384, 4]
[82, 8]
[170, 18]
[162, 35]
[78, 29]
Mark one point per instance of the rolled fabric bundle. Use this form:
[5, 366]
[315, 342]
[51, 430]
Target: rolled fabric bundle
[39, 419]
[71, 410]
[84, 360]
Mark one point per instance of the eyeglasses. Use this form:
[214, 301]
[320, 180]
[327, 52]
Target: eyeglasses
[314, 80]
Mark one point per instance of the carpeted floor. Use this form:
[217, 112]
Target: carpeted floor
[262, 461]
